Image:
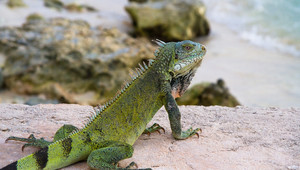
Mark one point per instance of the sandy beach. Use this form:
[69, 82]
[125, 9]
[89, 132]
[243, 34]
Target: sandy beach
[256, 76]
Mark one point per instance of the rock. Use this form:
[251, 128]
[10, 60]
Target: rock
[208, 94]
[33, 17]
[73, 7]
[15, 3]
[79, 8]
[37, 100]
[232, 138]
[169, 19]
[55, 4]
[1, 79]
[68, 60]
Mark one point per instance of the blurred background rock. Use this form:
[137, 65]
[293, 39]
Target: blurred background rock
[208, 94]
[168, 19]
[71, 51]
[68, 60]
[52, 60]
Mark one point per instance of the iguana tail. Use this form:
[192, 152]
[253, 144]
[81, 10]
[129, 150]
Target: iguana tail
[37, 160]
[11, 166]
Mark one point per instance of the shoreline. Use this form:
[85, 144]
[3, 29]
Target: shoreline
[254, 75]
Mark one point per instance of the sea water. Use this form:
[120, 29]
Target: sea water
[259, 56]
[272, 24]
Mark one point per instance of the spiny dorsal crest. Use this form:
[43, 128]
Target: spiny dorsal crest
[161, 44]
[134, 75]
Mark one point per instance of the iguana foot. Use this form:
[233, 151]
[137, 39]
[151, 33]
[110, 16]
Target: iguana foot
[154, 128]
[132, 164]
[61, 133]
[31, 141]
[190, 132]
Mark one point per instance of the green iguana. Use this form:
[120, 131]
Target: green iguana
[110, 133]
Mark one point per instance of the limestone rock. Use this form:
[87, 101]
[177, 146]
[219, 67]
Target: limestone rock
[169, 19]
[1, 79]
[69, 60]
[34, 16]
[38, 100]
[72, 7]
[208, 94]
[232, 138]
[15, 3]
[55, 4]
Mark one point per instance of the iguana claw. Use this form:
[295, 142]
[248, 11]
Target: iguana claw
[197, 134]
[132, 164]
[187, 134]
[154, 128]
[194, 132]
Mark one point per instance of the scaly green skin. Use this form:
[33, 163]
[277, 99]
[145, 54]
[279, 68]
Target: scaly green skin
[109, 135]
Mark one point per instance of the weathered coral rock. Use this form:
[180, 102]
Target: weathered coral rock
[34, 16]
[208, 94]
[55, 4]
[68, 60]
[15, 3]
[1, 78]
[73, 7]
[38, 100]
[169, 19]
[232, 138]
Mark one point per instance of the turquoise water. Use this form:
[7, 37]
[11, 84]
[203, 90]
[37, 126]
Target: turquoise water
[272, 24]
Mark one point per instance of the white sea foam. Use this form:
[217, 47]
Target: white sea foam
[269, 24]
[269, 42]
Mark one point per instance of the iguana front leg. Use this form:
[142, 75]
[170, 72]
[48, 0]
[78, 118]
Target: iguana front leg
[175, 117]
[61, 133]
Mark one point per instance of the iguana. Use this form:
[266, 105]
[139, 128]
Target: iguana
[110, 133]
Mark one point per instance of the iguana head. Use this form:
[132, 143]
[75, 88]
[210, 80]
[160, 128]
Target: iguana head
[188, 55]
[186, 58]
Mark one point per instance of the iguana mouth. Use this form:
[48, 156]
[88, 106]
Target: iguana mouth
[190, 61]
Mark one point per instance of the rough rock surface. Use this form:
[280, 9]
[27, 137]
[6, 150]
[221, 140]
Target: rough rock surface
[169, 19]
[73, 7]
[69, 60]
[15, 3]
[1, 78]
[208, 94]
[232, 138]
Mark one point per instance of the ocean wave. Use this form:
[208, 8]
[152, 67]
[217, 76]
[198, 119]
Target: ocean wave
[266, 23]
[269, 42]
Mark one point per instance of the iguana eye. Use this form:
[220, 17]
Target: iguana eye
[187, 47]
